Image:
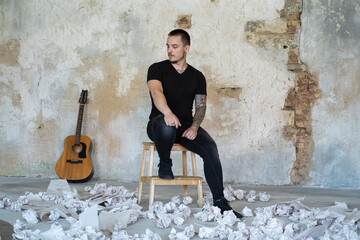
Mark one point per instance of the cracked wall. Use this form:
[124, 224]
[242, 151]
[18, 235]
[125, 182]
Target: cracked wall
[52, 50]
[248, 52]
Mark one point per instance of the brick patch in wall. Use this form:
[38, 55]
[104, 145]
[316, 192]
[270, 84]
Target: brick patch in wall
[183, 21]
[281, 35]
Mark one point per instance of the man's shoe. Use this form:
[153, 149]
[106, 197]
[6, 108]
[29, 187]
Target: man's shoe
[223, 204]
[165, 171]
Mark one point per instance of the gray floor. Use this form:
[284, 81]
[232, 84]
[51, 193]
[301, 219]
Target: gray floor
[13, 187]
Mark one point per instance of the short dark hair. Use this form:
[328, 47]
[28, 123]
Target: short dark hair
[185, 37]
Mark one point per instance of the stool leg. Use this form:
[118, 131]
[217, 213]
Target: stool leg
[151, 195]
[185, 171]
[142, 168]
[193, 161]
[200, 194]
[151, 160]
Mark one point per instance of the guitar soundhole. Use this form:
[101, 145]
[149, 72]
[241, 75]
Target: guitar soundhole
[77, 148]
[82, 154]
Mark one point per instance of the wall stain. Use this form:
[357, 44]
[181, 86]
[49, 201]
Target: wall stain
[109, 104]
[8, 90]
[9, 52]
[229, 92]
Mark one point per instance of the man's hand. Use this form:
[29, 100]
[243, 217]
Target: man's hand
[190, 133]
[171, 120]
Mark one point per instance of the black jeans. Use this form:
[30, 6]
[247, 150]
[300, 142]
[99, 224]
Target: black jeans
[165, 136]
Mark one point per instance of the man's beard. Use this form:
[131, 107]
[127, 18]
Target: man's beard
[178, 60]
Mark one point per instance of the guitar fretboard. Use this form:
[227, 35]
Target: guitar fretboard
[79, 124]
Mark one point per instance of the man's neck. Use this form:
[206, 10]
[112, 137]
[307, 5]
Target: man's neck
[180, 66]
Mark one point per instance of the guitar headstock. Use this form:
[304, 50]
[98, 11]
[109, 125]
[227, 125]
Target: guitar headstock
[83, 97]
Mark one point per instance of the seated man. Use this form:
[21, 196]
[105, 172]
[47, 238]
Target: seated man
[174, 85]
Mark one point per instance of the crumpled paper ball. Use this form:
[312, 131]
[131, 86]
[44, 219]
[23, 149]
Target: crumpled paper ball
[247, 212]
[228, 193]
[264, 197]
[251, 196]
[187, 234]
[164, 221]
[187, 200]
[208, 213]
[30, 216]
[207, 232]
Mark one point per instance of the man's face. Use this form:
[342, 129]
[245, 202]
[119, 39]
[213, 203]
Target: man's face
[176, 49]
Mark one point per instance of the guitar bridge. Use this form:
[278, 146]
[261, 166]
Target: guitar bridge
[74, 161]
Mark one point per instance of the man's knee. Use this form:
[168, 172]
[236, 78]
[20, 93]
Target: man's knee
[161, 129]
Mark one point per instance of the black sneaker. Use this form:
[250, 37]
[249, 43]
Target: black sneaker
[165, 171]
[223, 204]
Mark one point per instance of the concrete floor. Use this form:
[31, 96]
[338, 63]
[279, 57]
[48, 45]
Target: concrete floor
[13, 187]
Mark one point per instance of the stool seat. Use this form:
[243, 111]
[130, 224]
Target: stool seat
[178, 180]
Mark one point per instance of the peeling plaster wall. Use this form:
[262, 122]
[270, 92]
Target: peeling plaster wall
[51, 50]
[330, 46]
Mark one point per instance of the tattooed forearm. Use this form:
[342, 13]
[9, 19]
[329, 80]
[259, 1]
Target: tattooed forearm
[200, 109]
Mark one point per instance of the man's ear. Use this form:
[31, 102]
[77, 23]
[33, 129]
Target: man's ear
[187, 48]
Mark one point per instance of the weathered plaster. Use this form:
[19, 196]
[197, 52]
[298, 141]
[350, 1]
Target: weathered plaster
[59, 48]
[330, 46]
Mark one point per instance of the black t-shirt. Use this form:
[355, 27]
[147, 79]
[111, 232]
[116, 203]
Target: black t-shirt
[179, 89]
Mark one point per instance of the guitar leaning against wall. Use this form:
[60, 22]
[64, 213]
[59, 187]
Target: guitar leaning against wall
[75, 164]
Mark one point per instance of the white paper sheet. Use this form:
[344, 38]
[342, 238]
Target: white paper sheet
[89, 218]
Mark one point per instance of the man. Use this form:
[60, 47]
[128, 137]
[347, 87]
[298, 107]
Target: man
[174, 85]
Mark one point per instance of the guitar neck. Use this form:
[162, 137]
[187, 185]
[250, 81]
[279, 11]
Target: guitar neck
[79, 124]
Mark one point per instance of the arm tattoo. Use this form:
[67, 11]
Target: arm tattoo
[200, 109]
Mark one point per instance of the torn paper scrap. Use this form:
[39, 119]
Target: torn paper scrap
[57, 187]
[108, 220]
[89, 217]
[55, 232]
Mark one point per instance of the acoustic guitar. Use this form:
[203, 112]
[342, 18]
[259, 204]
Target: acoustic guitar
[75, 164]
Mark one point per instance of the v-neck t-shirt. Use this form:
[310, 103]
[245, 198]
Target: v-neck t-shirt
[179, 89]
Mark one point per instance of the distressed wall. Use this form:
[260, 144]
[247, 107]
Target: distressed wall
[51, 50]
[330, 47]
[265, 64]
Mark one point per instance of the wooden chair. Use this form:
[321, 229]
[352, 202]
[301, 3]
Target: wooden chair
[178, 180]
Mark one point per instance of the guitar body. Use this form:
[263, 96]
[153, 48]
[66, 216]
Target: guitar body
[75, 164]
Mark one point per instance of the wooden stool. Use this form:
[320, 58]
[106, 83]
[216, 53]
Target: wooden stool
[178, 180]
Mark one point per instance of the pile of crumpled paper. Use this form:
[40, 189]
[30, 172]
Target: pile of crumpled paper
[106, 211]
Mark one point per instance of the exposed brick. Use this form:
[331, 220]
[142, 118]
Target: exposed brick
[302, 82]
[291, 29]
[294, 58]
[300, 123]
[313, 88]
[302, 74]
[308, 95]
[292, 16]
[302, 103]
[303, 171]
[303, 88]
[295, 23]
[303, 96]
[294, 67]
